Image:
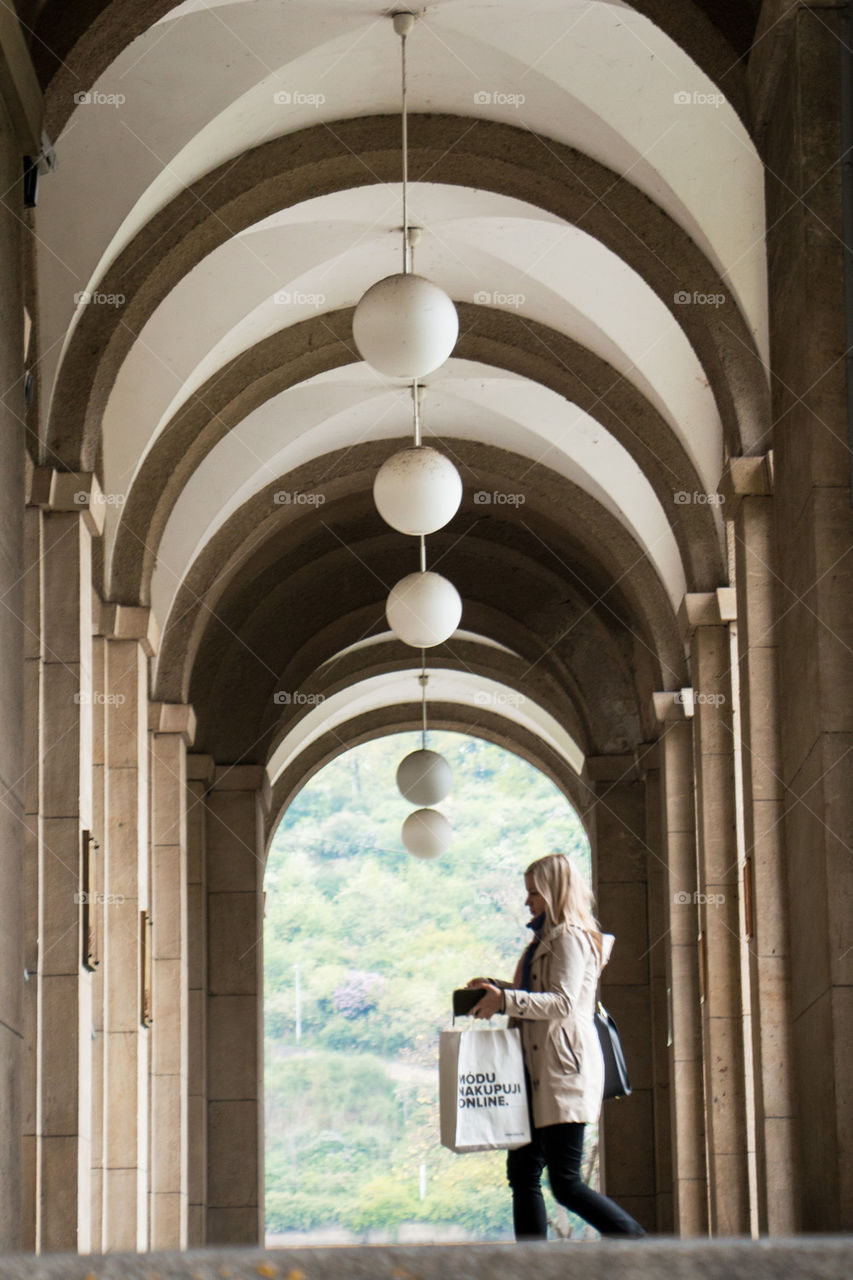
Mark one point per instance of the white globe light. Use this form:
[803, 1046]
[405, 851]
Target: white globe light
[424, 777]
[405, 326]
[427, 833]
[417, 490]
[423, 609]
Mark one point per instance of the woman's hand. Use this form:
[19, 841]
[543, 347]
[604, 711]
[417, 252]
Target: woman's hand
[478, 982]
[492, 1001]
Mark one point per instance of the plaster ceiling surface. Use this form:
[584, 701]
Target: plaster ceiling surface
[469, 401]
[213, 79]
[323, 254]
[200, 88]
[463, 688]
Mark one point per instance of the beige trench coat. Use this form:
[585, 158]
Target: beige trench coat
[562, 1052]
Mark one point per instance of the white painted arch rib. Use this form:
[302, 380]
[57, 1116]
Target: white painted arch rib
[398, 688]
[472, 402]
[597, 76]
[383, 637]
[536, 266]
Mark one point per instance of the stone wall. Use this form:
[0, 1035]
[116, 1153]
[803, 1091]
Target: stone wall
[11, 682]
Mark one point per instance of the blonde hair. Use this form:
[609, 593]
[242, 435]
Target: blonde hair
[568, 896]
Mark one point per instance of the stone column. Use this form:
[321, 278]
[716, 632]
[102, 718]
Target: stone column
[796, 85]
[72, 514]
[200, 772]
[172, 731]
[704, 620]
[32, 792]
[678, 834]
[648, 757]
[96, 910]
[20, 132]
[627, 1126]
[126, 877]
[747, 487]
[235, 1155]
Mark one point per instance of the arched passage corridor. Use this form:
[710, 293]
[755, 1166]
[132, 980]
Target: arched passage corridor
[637, 211]
[362, 946]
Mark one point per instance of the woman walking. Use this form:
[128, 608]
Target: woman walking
[552, 999]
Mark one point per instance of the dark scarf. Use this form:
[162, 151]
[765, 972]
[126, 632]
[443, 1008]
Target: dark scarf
[527, 959]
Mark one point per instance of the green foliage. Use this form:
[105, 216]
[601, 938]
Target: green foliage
[376, 941]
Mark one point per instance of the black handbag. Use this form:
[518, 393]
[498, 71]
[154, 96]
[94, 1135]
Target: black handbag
[616, 1082]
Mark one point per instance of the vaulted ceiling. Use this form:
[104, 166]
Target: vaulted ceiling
[228, 187]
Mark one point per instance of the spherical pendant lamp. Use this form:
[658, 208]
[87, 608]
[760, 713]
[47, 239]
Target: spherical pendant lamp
[427, 833]
[417, 490]
[423, 609]
[424, 777]
[405, 326]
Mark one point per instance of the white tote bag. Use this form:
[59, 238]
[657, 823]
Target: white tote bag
[482, 1094]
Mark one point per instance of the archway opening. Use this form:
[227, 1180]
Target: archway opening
[363, 946]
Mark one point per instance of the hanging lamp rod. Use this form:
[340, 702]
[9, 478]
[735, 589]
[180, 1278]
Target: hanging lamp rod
[403, 24]
[417, 400]
[423, 679]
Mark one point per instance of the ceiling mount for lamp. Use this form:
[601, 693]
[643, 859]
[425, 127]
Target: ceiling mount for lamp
[403, 21]
[405, 326]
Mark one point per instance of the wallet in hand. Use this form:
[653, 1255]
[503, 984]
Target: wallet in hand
[464, 999]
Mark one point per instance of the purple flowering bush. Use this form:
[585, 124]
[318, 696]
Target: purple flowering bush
[358, 994]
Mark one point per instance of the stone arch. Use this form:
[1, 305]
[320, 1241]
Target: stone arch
[219, 620]
[73, 45]
[489, 155]
[314, 346]
[398, 719]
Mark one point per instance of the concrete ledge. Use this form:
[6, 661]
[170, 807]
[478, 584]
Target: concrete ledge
[804, 1257]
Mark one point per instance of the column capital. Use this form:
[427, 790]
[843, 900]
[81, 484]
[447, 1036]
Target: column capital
[746, 478]
[200, 767]
[130, 622]
[243, 777]
[68, 491]
[173, 717]
[616, 768]
[707, 609]
[672, 706]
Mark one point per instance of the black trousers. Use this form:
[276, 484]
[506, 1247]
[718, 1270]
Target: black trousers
[560, 1148]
